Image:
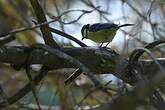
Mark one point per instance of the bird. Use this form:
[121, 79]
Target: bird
[101, 32]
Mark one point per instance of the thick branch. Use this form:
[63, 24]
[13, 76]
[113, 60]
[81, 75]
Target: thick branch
[98, 60]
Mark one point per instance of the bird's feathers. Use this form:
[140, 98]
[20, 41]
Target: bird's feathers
[101, 26]
[101, 32]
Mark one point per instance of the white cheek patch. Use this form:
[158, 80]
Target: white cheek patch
[85, 33]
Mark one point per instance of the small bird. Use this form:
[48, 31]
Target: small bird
[101, 32]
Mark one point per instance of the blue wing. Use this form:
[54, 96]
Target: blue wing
[101, 26]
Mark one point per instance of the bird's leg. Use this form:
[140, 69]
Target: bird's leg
[106, 44]
[101, 44]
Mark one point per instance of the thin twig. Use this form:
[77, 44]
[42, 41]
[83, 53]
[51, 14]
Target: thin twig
[67, 36]
[15, 31]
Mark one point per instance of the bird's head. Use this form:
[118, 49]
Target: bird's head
[84, 30]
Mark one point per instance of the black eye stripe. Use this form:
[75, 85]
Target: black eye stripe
[84, 31]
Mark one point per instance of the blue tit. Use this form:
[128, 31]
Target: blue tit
[101, 32]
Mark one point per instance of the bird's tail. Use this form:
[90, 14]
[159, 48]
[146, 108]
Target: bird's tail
[125, 25]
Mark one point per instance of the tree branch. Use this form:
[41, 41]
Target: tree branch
[48, 38]
[98, 60]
